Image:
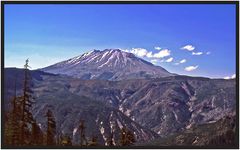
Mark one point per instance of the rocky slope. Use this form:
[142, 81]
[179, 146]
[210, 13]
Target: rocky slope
[221, 133]
[163, 105]
[52, 92]
[109, 64]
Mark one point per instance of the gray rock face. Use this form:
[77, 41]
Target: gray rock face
[100, 120]
[219, 134]
[109, 64]
[164, 105]
[149, 107]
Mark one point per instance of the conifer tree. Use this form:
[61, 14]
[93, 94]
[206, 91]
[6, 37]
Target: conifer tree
[14, 125]
[26, 104]
[11, 129]
[93, 141]
[14, 118]
[130, 138]
[51, 128]
[81, 128]
[127, 137]
[37, 134]
[110, 140]
[66, 140]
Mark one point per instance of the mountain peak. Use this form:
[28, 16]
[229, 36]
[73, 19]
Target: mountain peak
[109, 64]
[112, 49]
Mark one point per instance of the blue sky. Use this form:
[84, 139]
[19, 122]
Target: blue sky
[200, 36]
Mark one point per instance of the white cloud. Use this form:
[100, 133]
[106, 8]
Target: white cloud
[190, 68]
[125, 50]
[228, 77]
[141, 52]
[162, 53]
[149, 55]
[188, 47]
[197, 53]
[157, 48]
[154, 61]
[183, 61]
[208, 53]
[169, 59]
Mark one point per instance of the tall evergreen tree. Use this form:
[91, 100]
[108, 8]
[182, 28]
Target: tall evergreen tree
[37, 134]
[66, 140]
[51, 128]
[14, 125]
[81, 128]
[130, 138]
[110, 140]
[14, 120]
[26, 104]
[93, 141]
[11, 129]
[127, 137]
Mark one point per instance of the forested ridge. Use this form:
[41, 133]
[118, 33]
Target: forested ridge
[22, 129]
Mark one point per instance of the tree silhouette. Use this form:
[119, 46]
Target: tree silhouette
[127, 137]
[37, 134]
[26, 104]
[110, 140]
[93, 141]
[12, 126]
[51, 128]
[81, 128]
[66, 140]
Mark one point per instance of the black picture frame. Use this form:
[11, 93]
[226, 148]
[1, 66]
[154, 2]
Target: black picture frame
[4, 3]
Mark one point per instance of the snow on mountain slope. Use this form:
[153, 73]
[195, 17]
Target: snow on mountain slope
[109, 64]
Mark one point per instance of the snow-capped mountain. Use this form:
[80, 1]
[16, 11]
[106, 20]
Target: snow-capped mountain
[109, 64]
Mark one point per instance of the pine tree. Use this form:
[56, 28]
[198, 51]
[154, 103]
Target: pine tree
[14, 120]
[130, 138]
[127, 137]
[123, 138]
[66, 140]
[11, 129]
[37, 134]
[58, 138]
[81, 128]
[93, 141]
[26, 104]
[51, 128]
[110, 140]
[14, 124]
[7, 129]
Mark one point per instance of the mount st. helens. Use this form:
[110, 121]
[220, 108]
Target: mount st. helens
[109, 64]
[152, 102]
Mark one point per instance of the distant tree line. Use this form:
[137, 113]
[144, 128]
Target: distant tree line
[21, 128]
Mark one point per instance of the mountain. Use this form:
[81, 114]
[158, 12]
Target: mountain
[221, 133]
[109, 64]
[52, 92]
[164, 105]
[149, 107]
